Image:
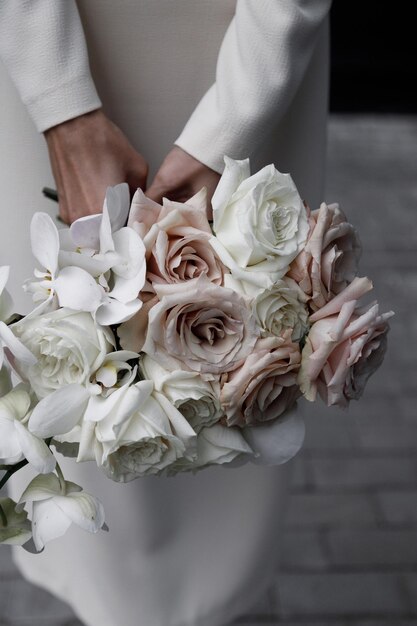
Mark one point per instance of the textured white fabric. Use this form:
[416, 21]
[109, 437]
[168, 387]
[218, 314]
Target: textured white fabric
[43, 47]
[261, 63]
[191, 550]
[262, 60]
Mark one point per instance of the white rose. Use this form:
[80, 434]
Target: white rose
[134, 432]
[216, 445]
[68, 345]
[282, 307]
[197, 399]
[259, 221]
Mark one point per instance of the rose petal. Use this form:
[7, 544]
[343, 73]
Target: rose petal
[276, 442]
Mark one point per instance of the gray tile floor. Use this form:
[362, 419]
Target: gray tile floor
[350, 552]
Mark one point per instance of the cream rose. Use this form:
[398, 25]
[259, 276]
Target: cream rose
[200, 326]
[141, 433]
[344, 347]
[259, 221]
[216, 445]
[265, 386]
[176, 238]
[195, 398]
[280, 308]
[329, 261]
[68, 345]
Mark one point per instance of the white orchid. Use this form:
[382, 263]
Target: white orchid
[97, 265]
[7, 338]
[16, 440]
[111, 253]
[68, 286]
[131, 432]
[114, 373]
[57, 503]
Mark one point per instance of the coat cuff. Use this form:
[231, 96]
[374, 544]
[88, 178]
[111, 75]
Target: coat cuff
[63, 102]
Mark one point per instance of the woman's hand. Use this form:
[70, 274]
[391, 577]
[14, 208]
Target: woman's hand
[180, 177]
[87, 154]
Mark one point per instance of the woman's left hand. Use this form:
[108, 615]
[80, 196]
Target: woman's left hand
[180, 177]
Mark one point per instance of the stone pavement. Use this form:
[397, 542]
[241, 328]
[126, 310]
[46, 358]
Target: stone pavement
[350, 545]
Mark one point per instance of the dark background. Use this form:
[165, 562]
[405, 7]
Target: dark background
[374, 60]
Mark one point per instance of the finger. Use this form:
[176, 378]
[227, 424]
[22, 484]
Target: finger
[156, 193]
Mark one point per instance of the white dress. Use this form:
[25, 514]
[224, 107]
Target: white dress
[190, 550]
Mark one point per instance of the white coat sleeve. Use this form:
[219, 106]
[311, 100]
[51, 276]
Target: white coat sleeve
[43, 48]
[262, 60]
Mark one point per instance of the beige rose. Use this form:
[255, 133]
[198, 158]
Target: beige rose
[329, 261]
[344, 347]
[200, 326]
[176, 238]
[265, 385]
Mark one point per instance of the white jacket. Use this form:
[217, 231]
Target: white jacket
[261, 63]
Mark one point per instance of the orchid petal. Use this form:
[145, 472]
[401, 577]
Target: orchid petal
[77, 289]
[117, 202]
[106, 237]
[45, 241]
[59, 412]
[276, 442]
[42, 487]
[48, 522]
[115, 312]
[16, 403]
[15, 346]
[94, 265]
[35, 450]
[126, 290]
[9, 446]
[83, 509]
[85, 232]
[131, 249]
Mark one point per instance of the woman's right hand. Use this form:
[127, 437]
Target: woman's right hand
[88, 154]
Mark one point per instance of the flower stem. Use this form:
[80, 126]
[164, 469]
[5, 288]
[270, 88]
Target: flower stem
[60, 476]
[3, 517]
[12, 469]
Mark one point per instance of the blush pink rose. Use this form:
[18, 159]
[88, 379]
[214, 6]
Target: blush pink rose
[176, 237]
[265, 385]
[329, 261]
[200, 326]
[344, 347]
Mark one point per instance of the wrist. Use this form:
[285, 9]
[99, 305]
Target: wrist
[76, 127]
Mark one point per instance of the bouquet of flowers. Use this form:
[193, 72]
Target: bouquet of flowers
[172, 343]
